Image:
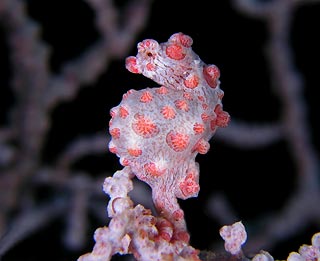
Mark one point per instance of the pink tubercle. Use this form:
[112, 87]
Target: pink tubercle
[123, 112]
[211, 74]
[177, 141]
[146, 97]
[115, 133]
[198, 128]
[162, 90]
[192, 81]
[182, 105]
[144, 127]
[134, 152]
[223, 118]
[181, 38]
[131, 64]
[168, 112]
[175, 51]
[152, 169]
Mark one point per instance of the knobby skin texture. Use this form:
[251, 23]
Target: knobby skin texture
[158, 132]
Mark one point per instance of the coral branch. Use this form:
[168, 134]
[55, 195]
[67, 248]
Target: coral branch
[234, 236]
[134, 230]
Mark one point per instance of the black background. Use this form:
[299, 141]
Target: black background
[256, 181]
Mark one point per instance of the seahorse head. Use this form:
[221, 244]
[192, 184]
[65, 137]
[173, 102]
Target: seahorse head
[173, 64]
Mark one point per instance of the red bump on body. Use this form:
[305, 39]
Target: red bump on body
[192, 81]
[175, 51]
[162, 90]
[198, 128]
[168, 112]
[144, 127]
[205, 117]
[123, 112]
[134, 152]
[187, 96]
[146, 97]
[152, 169]
[115, 133]
[131, 64]
[223, 118]
[211, 74]
[182, 105]
[177, 141]
[202, 146]
[189, 186]
[181, 38]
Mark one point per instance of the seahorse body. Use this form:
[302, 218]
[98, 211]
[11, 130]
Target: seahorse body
[158, 132]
